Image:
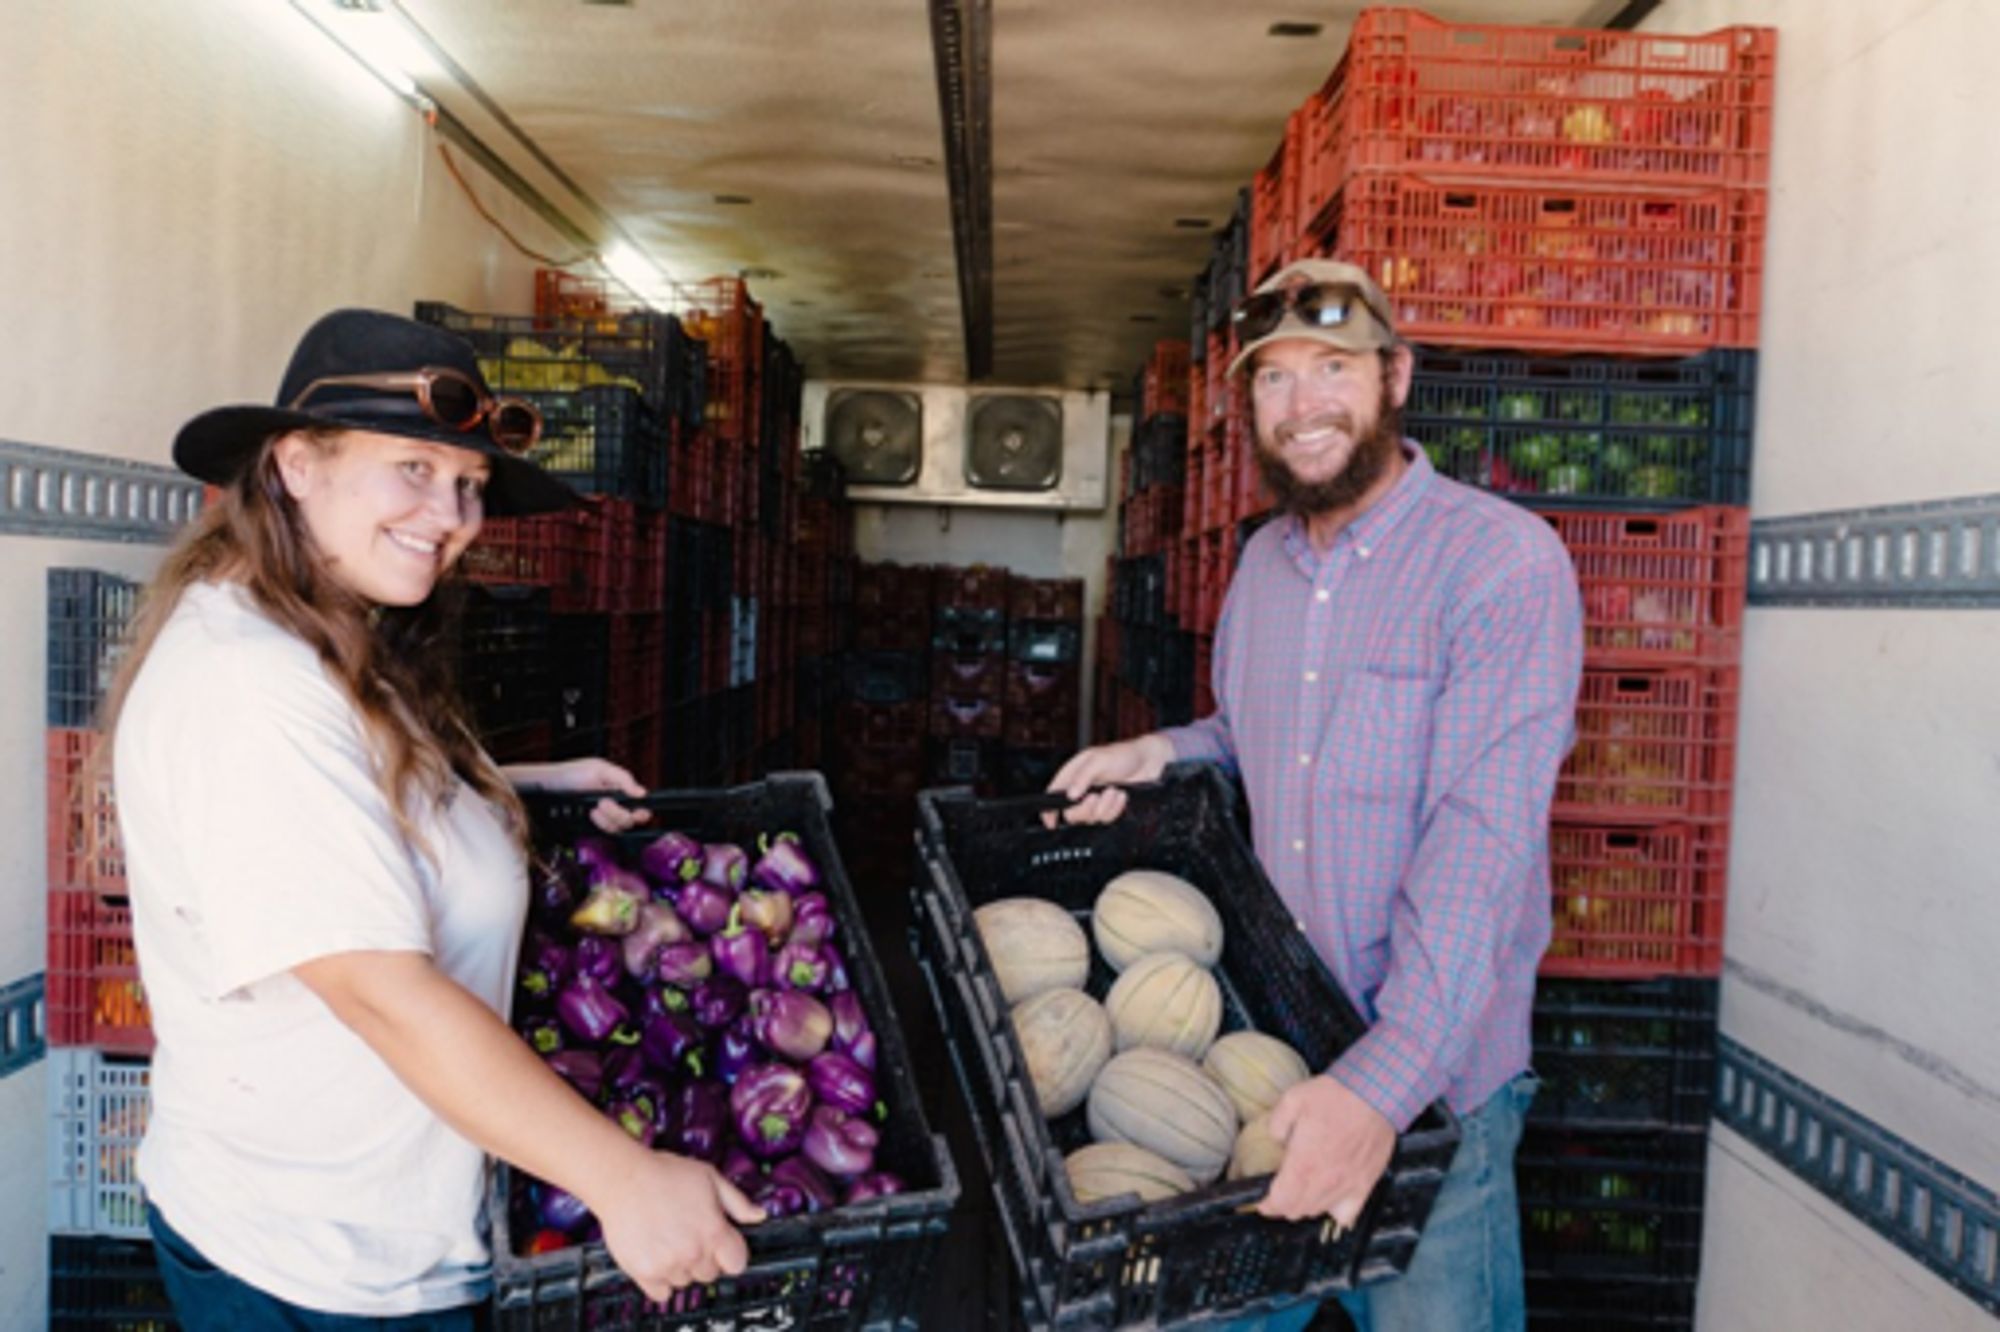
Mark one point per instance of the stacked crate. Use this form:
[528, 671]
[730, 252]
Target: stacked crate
[968, 674]
[99, 1032]
[1044, 691]
[1569, 226]
[880, 757]
[823, 584]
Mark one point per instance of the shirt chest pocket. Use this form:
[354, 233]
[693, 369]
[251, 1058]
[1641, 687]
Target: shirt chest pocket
[1378, 742]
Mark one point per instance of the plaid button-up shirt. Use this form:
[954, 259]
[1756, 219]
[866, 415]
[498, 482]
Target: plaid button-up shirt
[1398, 708]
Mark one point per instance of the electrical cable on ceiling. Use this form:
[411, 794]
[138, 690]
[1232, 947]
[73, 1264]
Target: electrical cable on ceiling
[451, 165]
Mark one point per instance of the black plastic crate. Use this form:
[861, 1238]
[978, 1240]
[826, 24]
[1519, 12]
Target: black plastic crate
[646, 352]
[503, 651]
[1589, 431]
[88, 612]
[1110, 1264]
[1028, 771]
[1610, 1306]
[1638, 1054]
[1607, 1203]
[604, 441]
[964, 761]
[579, 663]
[969, 632]
[1050, 642]
[1159, 452]
[1139, 590]
[888, 677]
[98, 1284]
[821, 476]
[855, 1267]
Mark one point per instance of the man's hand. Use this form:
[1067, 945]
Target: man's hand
[673, 1222]
[1128, 761]
[1336, 1147]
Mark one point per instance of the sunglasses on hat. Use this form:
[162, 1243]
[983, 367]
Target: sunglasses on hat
[1320, 305]
[451, 399]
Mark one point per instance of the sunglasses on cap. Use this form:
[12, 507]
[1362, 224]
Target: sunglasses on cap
[1316, 304]
[451, 399]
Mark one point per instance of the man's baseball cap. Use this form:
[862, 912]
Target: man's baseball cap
[1321, 300]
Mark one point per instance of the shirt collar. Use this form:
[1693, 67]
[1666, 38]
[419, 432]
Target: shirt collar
[1367, 532]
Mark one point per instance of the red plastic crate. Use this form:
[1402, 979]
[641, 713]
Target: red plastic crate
[1164, 385]
[881, 726]
[959, 718]
[94, 996]
[1043, 687]
[1634, 108]
[1636, 902]
[84, 850]
[1274, 201]
[977, 587]
[1247, 496]
[1659, 589]
[1042, 730]
[637, 744]
[1218, 562]
[1651, 745]
[1471, 263]
[1220, 394]
[1197, 401]
[1045, 599]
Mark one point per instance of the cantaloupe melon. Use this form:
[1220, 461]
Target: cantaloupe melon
[1168, 1001]
[1166, 1104]
[1256, 1152]
[1255, 1069]
[1035, 945]
[1066, 1038]
[1107, 1169]
[1151, 911]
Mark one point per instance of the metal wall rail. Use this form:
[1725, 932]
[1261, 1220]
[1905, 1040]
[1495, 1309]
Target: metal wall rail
[1944, 553]
[59, 493]
[24, 1023]
[1945, 1221]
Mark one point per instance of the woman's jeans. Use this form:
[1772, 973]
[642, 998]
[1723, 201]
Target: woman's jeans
[1466, 1276]
[208, 1299]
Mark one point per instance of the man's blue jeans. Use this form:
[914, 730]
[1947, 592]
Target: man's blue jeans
[1466, 1276]
[208, 1299]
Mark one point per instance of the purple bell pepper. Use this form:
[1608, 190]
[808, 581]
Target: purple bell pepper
[704, 906]
[801, 966]
[635, 1118]
[552, 895]
[559, 1209]
[767, 910]
[877, 1184]
[841, 1083]
[784, 865]
[736, 1050]
[839, 1144]
[543, 1034]
[672, 858]
[799, 1173]
[718, 1001]
[724, 865]
[612, 906]
[590, 1010]
[546, 964]
[686, 964]
[659, 927]
[789, 1024]
[700, 1118]
[672, 1042]
[836, 971]
[770, 1103]
[581, 1069]
[777, 1198]
[741, 1169]
[852, 1036]
[741, 951]
[812, 918]
[599, 958]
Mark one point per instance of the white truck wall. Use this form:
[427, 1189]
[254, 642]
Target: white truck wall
[1862, 911]
[182, 189]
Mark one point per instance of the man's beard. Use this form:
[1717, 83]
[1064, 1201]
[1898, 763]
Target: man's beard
[1372, 456]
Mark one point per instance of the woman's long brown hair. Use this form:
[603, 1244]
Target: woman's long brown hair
[392, 662]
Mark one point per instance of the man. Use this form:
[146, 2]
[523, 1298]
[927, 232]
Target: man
[1396, 670]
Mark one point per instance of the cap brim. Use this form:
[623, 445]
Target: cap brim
[218, 444]
[1372, 337]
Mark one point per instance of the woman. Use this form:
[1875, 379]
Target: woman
[328, 874]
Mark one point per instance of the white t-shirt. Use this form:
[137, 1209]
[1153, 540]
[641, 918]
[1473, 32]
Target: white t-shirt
[256, 839]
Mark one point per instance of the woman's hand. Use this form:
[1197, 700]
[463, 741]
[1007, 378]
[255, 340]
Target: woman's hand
[673, 1223]
[586, 774]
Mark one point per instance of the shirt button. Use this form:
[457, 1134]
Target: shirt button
[1305, 759]
[1362, 551]
[1312, 677]
[1298, 844]
[1322, 595]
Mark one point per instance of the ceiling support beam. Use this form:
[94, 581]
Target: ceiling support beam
[962, 50]
[1633, 14]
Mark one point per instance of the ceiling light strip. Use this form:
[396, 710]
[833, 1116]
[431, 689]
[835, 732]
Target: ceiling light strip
[24, 1023]
[962, 51]
[57, 493]
[1941, 554]
[1944, 1220]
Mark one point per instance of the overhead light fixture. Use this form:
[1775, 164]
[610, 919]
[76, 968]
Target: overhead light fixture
[635, 272]
[732, 198]
[378, 41]
[1293, 30]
